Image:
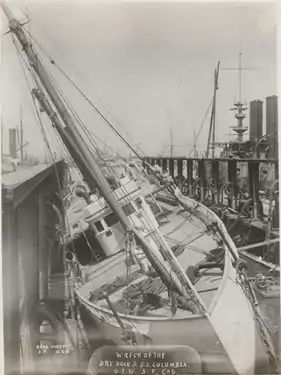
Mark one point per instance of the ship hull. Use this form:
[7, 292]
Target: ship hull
[225, 337]
[225, 340]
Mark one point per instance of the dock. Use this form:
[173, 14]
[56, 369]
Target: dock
[33, 269]
[236, 197]
[36, 286]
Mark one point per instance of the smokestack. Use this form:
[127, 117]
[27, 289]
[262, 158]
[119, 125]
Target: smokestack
[272, 125]
[13, 143]
[256, 131]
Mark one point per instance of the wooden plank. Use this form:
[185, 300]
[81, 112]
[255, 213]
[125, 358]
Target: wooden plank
[252, 246]
[258, 260]
[20, 176]
[265, 161]
[17, 186]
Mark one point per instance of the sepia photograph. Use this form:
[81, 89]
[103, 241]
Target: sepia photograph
[140, 187]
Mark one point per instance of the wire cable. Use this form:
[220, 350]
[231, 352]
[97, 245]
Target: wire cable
[136, 152]
[39, 120]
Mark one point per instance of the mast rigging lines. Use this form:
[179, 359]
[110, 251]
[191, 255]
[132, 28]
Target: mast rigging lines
[136, 149]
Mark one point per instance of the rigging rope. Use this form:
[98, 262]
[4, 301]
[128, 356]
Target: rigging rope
[65, 100]
[129, 145]
[49, 148]
[203, 121]
[84, 129]
[136, 152]
[76, 116]
[22, 61]
[69, 106]
[62, 95]
[39, 120]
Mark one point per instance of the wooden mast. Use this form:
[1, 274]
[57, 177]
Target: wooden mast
[90, 166]
[212, 129]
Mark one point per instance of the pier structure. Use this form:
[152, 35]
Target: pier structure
[244, 190]
[31, 256]
[192, 174]
[34, 272]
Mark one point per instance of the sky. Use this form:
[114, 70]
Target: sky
[148, 66]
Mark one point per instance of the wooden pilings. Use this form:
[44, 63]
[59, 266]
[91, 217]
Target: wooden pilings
[172, 167]
[215, 176]
[253, 170]
[235, 174]
[232, 178]
[189, 175]
[202, 176]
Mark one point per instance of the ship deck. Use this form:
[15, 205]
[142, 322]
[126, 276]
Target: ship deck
[178, 228]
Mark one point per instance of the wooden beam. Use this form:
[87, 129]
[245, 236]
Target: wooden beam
[20, 191]
[254, 245]
[271, 266]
